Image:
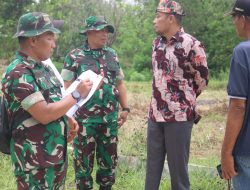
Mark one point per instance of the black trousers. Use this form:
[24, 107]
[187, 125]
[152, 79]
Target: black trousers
[171, 140]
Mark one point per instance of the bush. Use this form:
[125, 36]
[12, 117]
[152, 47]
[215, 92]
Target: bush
[59, 65]
[132, 75]
[135, 76]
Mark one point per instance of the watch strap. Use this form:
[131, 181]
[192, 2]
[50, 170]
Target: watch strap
[126, 109]
[76, 95]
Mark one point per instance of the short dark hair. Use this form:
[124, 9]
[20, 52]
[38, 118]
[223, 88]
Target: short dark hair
[237, 14]
[22, 39]
[178, 18]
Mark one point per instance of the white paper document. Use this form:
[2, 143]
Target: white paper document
[96, 79]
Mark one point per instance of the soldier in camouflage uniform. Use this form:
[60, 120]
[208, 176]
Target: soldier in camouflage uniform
[98, 119]
[39, 129]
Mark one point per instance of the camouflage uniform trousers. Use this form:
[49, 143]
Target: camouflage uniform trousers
[103, 139]
[50, 178]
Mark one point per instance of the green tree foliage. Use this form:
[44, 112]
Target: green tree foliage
[74, 12]
[205, 19]
[10, 11]
[136, 35]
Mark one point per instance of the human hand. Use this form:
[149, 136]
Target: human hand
[122, 118]
[228, 166]
[74, 127]
[84, 87]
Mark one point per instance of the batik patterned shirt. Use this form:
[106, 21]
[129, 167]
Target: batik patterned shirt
[26, 82]
[180, 73]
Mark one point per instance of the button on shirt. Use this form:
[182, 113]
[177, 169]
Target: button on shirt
[180, 73]
[103, 105]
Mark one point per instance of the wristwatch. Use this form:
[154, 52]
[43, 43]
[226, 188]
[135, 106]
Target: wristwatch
[126, 109]
[76, 95]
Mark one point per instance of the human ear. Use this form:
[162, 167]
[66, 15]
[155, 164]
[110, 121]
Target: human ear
[32, 41]
[171, 18]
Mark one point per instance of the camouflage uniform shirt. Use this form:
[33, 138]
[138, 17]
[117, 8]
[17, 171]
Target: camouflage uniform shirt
[24, 83]
[103, 105]
[180, 73]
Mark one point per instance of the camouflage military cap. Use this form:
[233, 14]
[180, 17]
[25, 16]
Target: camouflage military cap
[170, 7]
[96, 23]
[34, 24]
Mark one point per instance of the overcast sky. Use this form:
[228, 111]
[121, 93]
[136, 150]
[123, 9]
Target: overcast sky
[129, 1]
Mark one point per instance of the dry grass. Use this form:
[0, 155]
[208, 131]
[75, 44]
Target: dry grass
[205, 146]
[207, 135]
[2, 66]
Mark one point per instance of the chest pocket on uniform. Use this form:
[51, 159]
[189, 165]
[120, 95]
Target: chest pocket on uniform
[87, 62]
[48, 83]
[113, 67]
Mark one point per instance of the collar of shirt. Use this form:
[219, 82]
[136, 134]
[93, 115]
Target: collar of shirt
[27, 60]
[86, 48]
[177, 37]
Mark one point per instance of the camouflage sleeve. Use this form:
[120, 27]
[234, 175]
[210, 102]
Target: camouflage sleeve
[119, 73]
[69, 69]
[199, 64]
[24, 89]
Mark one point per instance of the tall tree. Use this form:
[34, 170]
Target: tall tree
[133, 27]
[136, 35]
[207, 21]
[10, 11]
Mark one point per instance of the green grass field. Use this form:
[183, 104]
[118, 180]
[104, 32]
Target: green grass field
[205, 146]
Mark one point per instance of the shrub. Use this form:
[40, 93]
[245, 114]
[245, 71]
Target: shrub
[135, 76]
